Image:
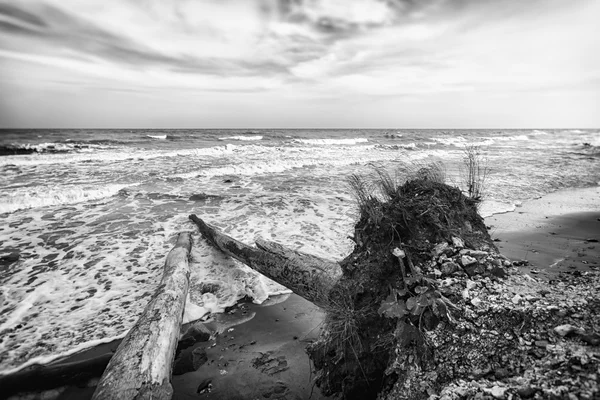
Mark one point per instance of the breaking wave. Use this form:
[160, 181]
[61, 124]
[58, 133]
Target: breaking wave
[242, 138]
[25, 198]
[331, 141]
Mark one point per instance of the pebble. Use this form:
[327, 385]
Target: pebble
[449, 267]
[497, 392]
[516, 299]
[526, 392]
[440, 248]
[458, 242]
[564, 330]
[467, 260]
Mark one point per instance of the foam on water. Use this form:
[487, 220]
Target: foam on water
[331, 141]
[242, 138]
[28, 197]
[488, 208]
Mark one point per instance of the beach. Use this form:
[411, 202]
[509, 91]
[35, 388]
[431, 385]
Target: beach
[90, 221]
[265, 357]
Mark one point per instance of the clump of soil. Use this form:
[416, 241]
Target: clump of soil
[354, 352]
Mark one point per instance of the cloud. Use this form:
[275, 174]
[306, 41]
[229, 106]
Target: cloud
[329, 50]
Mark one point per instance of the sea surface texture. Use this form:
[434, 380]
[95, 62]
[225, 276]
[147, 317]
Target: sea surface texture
[92, 214]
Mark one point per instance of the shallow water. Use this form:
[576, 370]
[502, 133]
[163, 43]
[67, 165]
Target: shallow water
[94, 213]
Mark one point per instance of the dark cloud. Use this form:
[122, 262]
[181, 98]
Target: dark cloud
[15, 12]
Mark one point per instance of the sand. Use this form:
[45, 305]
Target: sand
[265, 357]
[555, 233]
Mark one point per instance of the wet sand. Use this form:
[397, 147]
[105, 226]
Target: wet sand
[265, 357]
[262, 358]
[556, 233]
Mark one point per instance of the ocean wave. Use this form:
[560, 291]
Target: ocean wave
[158, 137]
[108, 156]
[537, 132]
[242, 138]
[84, 142]
[407, 146]
[331, 141]
[48, 148]
[507, 138]
[25, 198]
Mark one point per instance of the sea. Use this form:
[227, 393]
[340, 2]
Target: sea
[90, 215]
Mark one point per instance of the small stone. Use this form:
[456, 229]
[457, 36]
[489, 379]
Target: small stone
[476, 302]
[516, 299]
[566, 329]
[498, 392]
[541, 343]
[501, 373]
[458, 242]
[399, 253]
[474, 269]
[526, 392]
[441, 248]
[478, 254]
[498, 272]
[449, 267]
[467, 260]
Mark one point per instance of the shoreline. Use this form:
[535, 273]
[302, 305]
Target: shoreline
[550, 233]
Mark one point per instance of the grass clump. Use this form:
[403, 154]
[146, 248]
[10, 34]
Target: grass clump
[474, 171]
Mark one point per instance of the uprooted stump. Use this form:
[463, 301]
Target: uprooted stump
[426, 304]
[426, 308]
[388, 279]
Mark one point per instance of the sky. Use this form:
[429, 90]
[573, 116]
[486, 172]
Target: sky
[299, 64]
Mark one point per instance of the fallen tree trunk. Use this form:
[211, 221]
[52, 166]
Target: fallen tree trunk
[308, 276]
[141, 367]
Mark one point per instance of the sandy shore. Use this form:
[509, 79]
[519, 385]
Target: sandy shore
[265, 357]
[554, 233]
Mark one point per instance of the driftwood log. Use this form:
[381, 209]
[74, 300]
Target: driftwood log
[142, 365]
[308, 276]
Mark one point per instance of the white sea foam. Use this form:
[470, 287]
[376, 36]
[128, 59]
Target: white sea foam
[34, 197]
[491, 207]
[159, 137]
[537, 132]
[507, 138]
[331, 141]
[242, 138]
